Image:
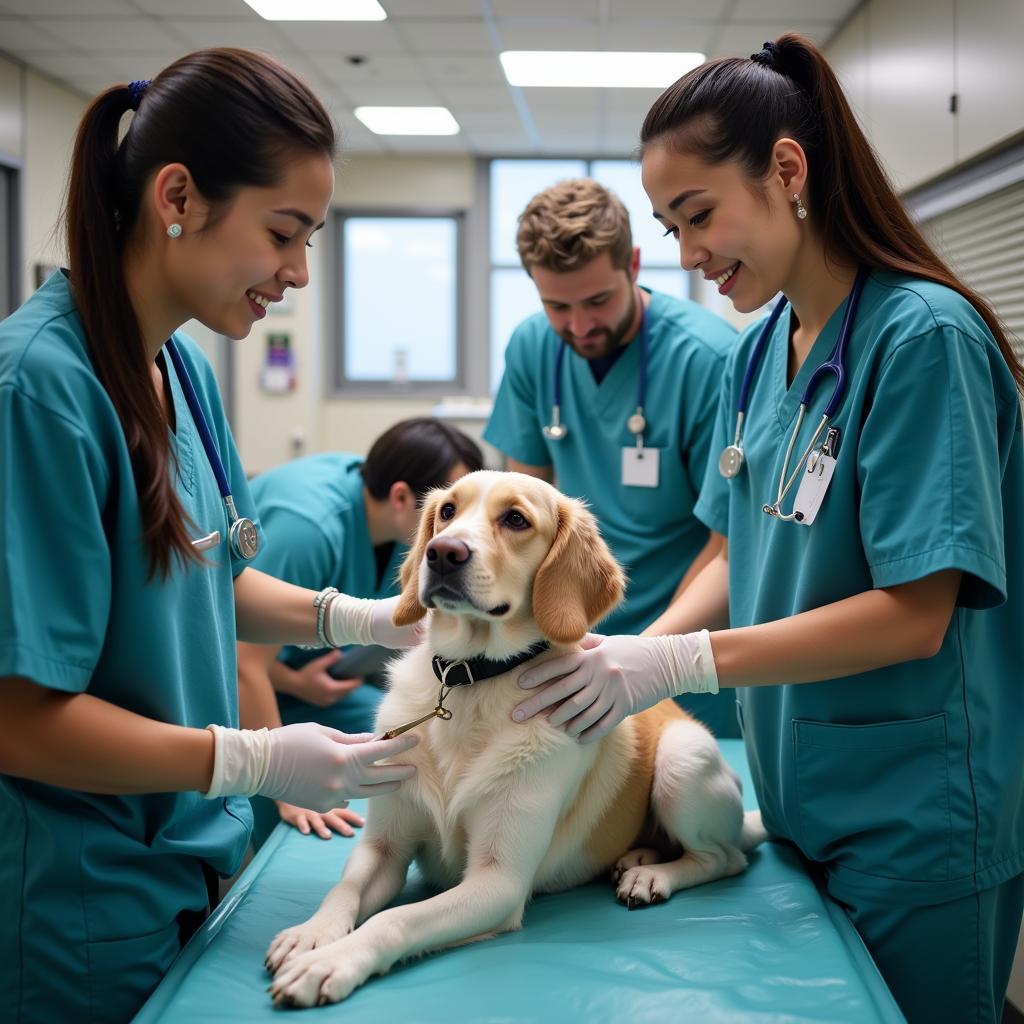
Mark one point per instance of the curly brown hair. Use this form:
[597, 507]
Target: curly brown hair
[567, 225]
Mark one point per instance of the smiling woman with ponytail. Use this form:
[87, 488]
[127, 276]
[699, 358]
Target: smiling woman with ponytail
[123, 777]
[875, 647]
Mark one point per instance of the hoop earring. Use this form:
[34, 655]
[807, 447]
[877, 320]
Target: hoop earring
[174, 231]
[801, 210]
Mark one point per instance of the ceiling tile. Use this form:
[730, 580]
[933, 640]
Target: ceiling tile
[67, 66]
[795, 11]
[66, 8]
[139, 34]
[435, 9]
[198, 8]
[545, 8]
[476, 97]
[679, 10]
[742, 39]
[254, 34]
[660, 36]
[553, 35]
[455, 69]
[342, 37]
[382, 70]
[413, 95]
[446, 36]
[17, 36]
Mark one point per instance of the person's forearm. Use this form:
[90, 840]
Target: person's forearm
[861, 633]
[270, 611]
[704, 556]
[704, 604]
[80, 742]
[257, 702]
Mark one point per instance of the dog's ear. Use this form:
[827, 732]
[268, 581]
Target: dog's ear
[579, 582]
[409, 610]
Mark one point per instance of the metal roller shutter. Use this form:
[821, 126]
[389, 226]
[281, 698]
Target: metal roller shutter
[983, 241]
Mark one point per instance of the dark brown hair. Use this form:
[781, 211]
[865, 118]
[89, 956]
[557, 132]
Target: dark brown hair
[735, 109]
[422, 452]
[234, 118]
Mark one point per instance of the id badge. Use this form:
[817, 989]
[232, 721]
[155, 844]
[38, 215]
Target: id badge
[813, 486]
[640, 466]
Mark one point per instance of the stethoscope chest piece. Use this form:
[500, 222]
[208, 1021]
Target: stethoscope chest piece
[730, 462]
[556, 429]
[244, 538]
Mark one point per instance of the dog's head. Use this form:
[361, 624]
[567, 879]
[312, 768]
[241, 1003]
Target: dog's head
[508, 549]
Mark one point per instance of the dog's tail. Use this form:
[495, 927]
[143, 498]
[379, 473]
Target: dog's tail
[753, 833]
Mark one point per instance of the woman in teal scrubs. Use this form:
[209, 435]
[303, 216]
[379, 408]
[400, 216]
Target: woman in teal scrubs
[878, 651]
[338, 518]
[122, 779]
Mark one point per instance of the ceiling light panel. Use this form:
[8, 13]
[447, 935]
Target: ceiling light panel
[408, 120]
[318, 10]
[601, 69]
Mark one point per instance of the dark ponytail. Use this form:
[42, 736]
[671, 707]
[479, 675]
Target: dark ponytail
[735, 109]
[233, 118]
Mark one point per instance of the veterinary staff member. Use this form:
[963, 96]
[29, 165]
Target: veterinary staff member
[336, 518]
[611, 393]
[125, 540]
[897, 766]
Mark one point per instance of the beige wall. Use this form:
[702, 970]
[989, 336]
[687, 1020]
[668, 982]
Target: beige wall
[271, 428]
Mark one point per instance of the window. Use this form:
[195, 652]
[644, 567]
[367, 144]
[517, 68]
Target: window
[513, 183]
[397, 309]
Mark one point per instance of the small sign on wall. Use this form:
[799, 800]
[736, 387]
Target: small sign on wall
[277, 376]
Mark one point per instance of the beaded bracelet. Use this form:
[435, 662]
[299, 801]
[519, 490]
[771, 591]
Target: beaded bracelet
[322, 603]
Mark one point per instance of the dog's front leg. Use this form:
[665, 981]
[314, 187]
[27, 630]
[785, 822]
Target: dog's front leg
[373, 876]
[509, 833]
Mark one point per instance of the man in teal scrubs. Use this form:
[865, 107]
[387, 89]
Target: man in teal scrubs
[576, 244]
[335, 517]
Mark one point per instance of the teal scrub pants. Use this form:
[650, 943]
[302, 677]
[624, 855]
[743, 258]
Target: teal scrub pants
[354, 713]
[949, 963]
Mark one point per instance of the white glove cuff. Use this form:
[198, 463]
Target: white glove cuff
[691, 662]
[241, 758]
[350, 620]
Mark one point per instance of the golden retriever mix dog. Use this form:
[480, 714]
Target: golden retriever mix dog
[514, 572]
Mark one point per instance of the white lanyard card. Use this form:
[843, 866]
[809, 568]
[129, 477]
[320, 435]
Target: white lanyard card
[640, 466]
[813, 486]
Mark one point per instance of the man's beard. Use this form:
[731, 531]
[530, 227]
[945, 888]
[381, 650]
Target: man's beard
[614, 337]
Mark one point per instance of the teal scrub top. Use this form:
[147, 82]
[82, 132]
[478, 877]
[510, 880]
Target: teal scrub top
[97, 880]
[314, 520]
[651, 531]
[906, 782]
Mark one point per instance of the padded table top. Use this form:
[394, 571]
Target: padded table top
[763, 946]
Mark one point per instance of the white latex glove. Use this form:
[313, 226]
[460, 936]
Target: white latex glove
[362, 620]
[305, 764]
[617, 676]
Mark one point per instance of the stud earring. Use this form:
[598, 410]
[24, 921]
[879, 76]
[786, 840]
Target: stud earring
[174, 231]
[801, 210]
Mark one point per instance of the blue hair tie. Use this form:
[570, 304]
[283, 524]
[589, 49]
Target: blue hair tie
[136, 89]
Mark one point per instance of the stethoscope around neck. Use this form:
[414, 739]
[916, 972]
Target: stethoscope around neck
[556, 430]
[731, 461]
[242, 535]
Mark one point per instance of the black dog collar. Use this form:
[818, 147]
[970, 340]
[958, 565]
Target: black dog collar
[475, 670]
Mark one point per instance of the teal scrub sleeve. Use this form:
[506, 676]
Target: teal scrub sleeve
[712, 507]
[513, 428]
[930, 467]
[55, 569]
[701, 397]
[296, 549]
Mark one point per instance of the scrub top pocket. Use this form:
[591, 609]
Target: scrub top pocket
[874, 799]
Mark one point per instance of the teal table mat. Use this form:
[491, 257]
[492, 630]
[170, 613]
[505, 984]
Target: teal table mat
[763, 946]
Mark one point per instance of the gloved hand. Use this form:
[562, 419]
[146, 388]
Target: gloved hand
[305, 764]
[360, 620]
[618, 676]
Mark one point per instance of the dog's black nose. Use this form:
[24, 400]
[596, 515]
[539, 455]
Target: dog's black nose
[446, 554]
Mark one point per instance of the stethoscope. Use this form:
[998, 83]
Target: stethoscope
[730, 462]
[556, 430]
[243, 536]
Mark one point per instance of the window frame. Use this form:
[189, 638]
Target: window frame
[340, 386]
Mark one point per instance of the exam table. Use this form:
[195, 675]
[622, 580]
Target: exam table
[764, 946]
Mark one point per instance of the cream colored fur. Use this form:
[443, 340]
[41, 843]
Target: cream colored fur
[499, 810]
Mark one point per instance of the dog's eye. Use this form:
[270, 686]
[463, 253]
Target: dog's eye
[515, 520]
[447, 511]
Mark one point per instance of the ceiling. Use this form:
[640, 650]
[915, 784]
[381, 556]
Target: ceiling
[427, 52]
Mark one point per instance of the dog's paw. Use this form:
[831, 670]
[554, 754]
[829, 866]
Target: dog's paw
[323, 975]
[641, 855]
[301, 938]
[643, 886]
